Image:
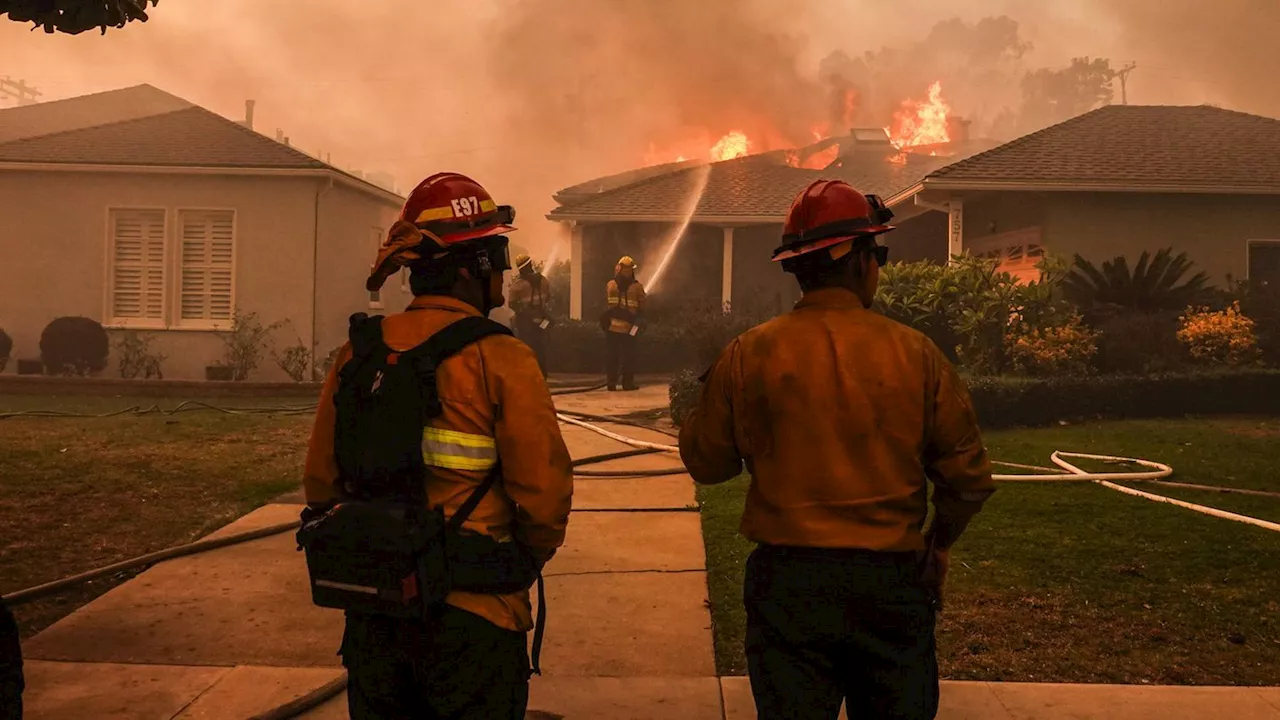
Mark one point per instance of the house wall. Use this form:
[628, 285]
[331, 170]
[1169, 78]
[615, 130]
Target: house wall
[348, 220]
[756, 278]
[54, 245]
[1213, 229]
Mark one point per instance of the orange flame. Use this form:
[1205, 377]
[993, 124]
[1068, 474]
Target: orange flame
[921, 123]
[733, 145]
[820, 160]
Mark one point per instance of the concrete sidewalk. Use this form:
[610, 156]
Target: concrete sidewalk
[232, 632]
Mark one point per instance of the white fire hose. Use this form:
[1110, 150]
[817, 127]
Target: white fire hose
[1073, 474]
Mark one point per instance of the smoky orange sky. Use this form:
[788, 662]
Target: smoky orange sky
[530, 96]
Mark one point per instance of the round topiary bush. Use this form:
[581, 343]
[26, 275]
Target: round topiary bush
[74, 346]
[6, 349]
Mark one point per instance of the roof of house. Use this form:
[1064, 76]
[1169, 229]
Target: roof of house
[1133, 148]
[757, 188]
[144, 127]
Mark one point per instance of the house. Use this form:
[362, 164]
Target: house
[1112, 182]
[145, 212]
[723, 219]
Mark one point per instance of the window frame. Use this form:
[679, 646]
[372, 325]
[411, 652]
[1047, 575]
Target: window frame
[175, 319]
[112, 322]
[1027, 240]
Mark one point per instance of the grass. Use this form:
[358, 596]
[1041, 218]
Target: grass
[1073, 582]
[81, 493]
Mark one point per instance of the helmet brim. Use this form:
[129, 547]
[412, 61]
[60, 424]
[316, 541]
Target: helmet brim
[825, 243]
[476, 234]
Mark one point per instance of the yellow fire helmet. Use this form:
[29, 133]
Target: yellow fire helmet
[626, 262]
[522, 260]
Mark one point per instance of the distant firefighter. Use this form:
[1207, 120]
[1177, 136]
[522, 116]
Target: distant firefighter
[531, 302]
[622, 322]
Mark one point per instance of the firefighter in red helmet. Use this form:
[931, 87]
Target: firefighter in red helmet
[840, 416]
[437, 423]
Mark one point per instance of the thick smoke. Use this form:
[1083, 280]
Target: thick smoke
[1222, 52]
[534, 95]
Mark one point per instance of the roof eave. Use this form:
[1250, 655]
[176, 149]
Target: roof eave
[1035, 186]
[238, 171]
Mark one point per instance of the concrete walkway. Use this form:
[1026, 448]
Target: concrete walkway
[232, 632]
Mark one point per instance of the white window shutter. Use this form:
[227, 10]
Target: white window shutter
[137, 267]
[208, 266]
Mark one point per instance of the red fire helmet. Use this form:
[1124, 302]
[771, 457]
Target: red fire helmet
[827, 213]
[456, 209]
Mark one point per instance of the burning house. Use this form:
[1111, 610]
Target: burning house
[706, 230]
[1112, 182]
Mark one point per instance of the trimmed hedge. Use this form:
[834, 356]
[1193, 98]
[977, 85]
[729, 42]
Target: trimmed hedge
[1017, 402]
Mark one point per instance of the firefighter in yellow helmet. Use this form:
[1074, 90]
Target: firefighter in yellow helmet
[621, 322]
[437, 481]
[531, 302]
[840, 415]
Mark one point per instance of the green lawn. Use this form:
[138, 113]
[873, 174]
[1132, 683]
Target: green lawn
[76, 494]
[1074, 582]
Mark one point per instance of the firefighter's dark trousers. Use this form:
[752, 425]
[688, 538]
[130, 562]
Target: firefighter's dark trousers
[457, 666]
[11, 682]
[831, 625]
[620, 351]
[536, 338]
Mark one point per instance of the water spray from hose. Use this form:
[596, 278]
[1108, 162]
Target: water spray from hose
[700, 176]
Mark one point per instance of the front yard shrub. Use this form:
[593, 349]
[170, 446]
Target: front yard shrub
[246, 343]
[684, 391]
[74, 346]
[1040, 352]
[1014, 402]
[1225, 337]
[136, 357]
[6, 349]
[1139, 342]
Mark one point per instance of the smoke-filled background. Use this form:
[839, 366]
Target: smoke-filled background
[533, 95]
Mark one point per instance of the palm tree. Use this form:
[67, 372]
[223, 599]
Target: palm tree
[1152, 285]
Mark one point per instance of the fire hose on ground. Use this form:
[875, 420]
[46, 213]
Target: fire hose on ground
[324, 693]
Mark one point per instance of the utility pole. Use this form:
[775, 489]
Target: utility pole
[1123, 74]
[19, 89]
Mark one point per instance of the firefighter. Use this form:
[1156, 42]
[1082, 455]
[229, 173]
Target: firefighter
[840, 415]
[495, 423]
[11, 681]
[531, 302]
[621, 322]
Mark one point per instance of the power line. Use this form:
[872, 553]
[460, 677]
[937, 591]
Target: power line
[25, 94]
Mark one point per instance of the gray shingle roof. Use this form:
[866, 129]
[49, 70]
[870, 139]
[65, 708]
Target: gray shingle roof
[1133, 146]
[193, 137]
[754, 187]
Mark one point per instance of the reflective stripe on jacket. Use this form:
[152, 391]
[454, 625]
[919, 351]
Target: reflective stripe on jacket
[627, 304]
[496, 405]
[839, 414]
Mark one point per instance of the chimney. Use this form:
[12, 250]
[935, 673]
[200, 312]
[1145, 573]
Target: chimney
[248, 114]
[286, 139]
[279, 135]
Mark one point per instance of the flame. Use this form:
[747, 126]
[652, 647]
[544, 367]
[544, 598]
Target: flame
[820, 160]
[850, 110]
[921, 123]
[733, 145]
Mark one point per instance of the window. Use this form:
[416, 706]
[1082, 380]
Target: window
[207, 284]
[375, 296]
[137, 268]
[1017, 253]
[1264, 263]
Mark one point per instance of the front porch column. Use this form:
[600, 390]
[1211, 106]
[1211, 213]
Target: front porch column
[726, 270]
[955, 229]
[575, 272]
